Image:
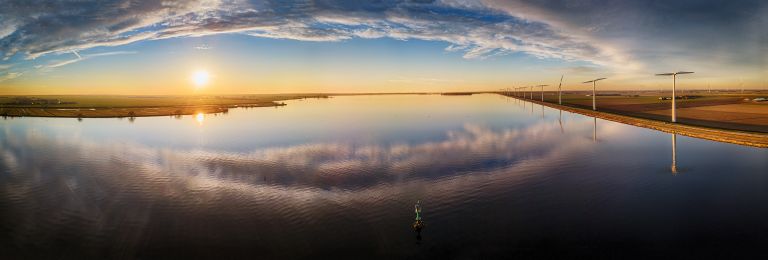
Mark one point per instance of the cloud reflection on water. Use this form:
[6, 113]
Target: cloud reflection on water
[76, 179]
[324, 165]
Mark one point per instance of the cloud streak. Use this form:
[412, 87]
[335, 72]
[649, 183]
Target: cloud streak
[86, 57]
[10, 76]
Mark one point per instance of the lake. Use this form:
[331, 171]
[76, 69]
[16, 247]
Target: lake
[339, 177]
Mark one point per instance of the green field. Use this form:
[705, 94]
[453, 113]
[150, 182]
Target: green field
[153, 101]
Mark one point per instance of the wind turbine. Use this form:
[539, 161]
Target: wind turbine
[560, 91]
[542, 92]
[741, 84]
[594, 102]
[531, 89]
[674, 82]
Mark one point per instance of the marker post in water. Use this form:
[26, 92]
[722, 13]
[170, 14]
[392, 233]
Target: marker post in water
[418, 224]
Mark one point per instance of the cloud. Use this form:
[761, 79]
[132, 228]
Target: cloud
[61, 63]
[581, 70]
[348, 166]
[77, 54]
[658, 35]
[620, 35]
[428, 81]
[203, 47]
[63, 26]
[79, 58]
[10, 76]
[82, 173]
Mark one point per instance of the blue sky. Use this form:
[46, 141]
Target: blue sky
[249, 46]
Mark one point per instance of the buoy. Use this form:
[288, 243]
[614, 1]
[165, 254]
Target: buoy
[418, 224]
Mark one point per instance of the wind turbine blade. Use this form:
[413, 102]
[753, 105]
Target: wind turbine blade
[665, 74]
[684, 72]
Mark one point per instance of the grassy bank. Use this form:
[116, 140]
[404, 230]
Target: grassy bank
[731, 112]
[645, 111]
[135, 106]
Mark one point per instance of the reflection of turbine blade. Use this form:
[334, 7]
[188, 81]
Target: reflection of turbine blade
[561, 122]
[674, 154]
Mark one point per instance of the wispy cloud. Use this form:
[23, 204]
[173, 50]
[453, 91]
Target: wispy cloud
[10, 76]
[427, 81]
[77, 54]
[79, 58]
[203, 47]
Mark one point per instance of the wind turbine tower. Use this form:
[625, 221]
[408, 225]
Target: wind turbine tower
[542, 92]
[674, 83]
[594, 87]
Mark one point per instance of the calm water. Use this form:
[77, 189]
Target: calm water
[340, 176]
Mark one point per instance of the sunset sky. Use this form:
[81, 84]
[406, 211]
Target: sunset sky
[249, 46]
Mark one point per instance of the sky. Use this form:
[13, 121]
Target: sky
[301, 46]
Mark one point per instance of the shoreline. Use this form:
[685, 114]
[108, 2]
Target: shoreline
[139, 107]
[752, 139]
[741, 137]
[120, 112]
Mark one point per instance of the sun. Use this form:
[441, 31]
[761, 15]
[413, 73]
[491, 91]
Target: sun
[200, 117]
[201, 78]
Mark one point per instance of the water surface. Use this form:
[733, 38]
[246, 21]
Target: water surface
[339, 177]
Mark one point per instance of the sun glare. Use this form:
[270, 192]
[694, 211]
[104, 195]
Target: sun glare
[200, 78]
[200, 117]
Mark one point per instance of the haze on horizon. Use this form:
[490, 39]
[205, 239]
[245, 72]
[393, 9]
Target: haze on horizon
[301, 46]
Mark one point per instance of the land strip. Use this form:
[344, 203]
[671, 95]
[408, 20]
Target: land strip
[735, 136]
[135, 106]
